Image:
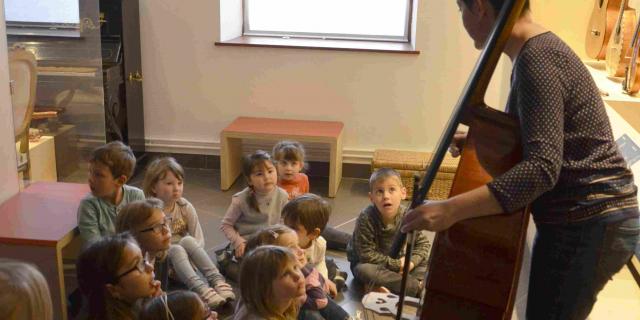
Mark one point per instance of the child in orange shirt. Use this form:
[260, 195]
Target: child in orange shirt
[289, 157]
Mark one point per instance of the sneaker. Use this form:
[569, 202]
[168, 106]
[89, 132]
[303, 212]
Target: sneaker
[341, 281]
[225, 290]
[212, 298]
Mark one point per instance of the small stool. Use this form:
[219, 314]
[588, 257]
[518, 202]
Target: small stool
[410, 163]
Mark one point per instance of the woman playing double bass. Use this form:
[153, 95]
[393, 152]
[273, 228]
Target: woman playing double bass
[582, 195]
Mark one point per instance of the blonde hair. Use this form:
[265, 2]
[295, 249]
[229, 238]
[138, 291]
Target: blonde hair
[157, 170]
[258, 270]
[21, 284]
[383, 174]
[117, 156]
[267, 236]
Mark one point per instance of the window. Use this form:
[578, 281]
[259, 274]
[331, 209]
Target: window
[377, 20]
[37, 17]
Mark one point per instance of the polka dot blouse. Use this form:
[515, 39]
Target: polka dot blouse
[571, 168]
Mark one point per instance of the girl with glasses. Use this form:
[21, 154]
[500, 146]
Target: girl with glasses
[146, 221]
[115, 277]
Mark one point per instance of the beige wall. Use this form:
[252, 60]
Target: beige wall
[8, 172]
[193, 89]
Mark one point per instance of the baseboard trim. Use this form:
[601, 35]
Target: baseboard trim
[315, 152]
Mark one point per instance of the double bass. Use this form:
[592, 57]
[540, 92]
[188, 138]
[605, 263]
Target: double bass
[474, 266]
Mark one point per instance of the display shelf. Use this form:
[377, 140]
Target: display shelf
[627, 106]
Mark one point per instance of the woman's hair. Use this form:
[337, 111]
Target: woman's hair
[290, 151]
[134, 214]
[497, 5]
[267, 236]
[258, 270]
[98, 266]
[175, 305]
[157, 170]
[22, 284]
[249, 163]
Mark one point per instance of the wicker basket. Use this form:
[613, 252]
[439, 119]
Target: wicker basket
[410, 163]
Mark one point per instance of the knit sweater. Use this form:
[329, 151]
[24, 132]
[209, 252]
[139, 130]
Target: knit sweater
[371, 241]
[241, 220]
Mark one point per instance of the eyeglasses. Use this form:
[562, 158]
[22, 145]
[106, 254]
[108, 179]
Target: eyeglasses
[140, 266]
[158, 228]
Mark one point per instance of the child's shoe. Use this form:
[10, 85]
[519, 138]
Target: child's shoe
[212, 298]
[341, 281]
[225, 290]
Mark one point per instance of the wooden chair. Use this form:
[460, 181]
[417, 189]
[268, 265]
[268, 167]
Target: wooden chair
[23, 77]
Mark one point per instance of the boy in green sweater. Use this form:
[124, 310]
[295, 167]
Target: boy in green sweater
[110, 167]
[368, 250]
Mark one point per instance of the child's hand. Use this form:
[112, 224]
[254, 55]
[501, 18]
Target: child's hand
[239, 252]
[411, 266]
[156, 289]
[333, 291]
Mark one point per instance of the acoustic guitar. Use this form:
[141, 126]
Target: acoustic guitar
[620, 42]
[601, 24]
[631, 82]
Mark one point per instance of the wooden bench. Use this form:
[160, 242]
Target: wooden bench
[329, 132]
[37, 224]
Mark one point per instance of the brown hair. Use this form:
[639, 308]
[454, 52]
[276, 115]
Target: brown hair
[117, 157]
[157, 170]
[181, 304]
[258, 270]
[308, 210]
[290, 151]
[382, 174]
[267, 236]
[98, 266]
[22, 284]
[134, 214]
[249, 163]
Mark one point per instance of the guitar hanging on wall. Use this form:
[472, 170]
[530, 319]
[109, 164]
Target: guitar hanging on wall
[631, 82]
[601, 24]
[618, 49]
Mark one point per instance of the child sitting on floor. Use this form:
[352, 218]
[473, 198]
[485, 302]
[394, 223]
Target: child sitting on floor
[368, 250]
[289, 157]
[147, 223]
[308, 215]
[110, 167]
[115, 277]
[318, 303]
[257, 206]
[271, 285]
[164, 179]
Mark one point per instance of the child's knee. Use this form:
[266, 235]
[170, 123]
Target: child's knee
[188, 242]
[176, 251]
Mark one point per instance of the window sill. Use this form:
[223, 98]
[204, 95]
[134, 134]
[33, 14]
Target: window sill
[343, 45]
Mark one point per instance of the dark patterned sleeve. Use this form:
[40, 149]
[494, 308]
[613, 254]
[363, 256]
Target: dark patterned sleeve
[540, 108]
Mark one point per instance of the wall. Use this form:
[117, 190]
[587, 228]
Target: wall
[8, 171]
[193, 89]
